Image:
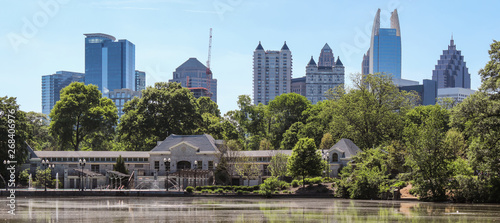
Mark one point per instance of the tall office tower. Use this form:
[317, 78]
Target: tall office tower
[121, 96]
[365, 65]
[109, 64]
[299, 85]
[52, 86]
[385, 47]
[192, 74]
[320, 79]
[272, 73]
[451, 70]
[140, 80]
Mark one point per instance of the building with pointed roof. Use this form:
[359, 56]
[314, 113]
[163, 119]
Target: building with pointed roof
[384, 55]
[272, 73]
[192, 74]
[451, 70]
[328, 74]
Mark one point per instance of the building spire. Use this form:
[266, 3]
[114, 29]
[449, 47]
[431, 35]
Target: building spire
[395, 22]
[285, 47]
[259, 47]
[311, 62]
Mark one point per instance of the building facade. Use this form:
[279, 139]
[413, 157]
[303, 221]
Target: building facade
[427, 91]
[456, 94]
[193, 74]
[451, 70]
[52, 86]
[174, 163]
[109, 64]
[299, 86]
[272, 73]
[140, 80]
[384, 55]
[328, 74]
[121, 96]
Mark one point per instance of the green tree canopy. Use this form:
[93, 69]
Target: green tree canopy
[291, 136]
[305, 159]
[278, 165]
[206, 105]
[120, 165]
[327, 141]
[82, 115]
[166, 108]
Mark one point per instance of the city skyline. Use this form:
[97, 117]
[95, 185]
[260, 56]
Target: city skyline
[40, 41]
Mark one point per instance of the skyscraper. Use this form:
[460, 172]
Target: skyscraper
[384, 55]
[272, 73]
[451, 70]
[109, 64]
[327, 75]
[140, 80]
[193, 74]
[52, 86]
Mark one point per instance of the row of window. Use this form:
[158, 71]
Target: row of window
[95, 159]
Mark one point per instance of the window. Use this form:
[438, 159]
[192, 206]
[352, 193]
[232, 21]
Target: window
[200, 165]
[157, 165]
[210, 165]
[335, 157]
[94, 168]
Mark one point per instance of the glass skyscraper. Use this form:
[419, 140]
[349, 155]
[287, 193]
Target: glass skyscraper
[52, 86]
[385, 48]
[109, 64]
[140, 80]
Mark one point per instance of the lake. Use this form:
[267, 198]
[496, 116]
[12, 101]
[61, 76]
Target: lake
[189, 209]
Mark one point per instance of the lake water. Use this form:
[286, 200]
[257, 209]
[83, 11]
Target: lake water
[185, 209]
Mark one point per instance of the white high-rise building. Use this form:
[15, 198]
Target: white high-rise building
[272, 73]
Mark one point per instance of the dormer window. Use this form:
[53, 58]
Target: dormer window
[335, 157]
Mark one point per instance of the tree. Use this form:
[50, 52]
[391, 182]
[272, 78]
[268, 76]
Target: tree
[371, 113]
[228, 157]
[39, 133]
[166, 108]
[265, 145]
[428, 156]
[120, 165]
[284, 110]
[82, 115]
[206, 105]
[291, 136]
[246, 167]
[13, 134]
[278, 165]
[366, 177]
[305, 159]
[326, 141]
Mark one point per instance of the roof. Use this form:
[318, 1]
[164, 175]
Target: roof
[205, 143]
[347, 146]
[339, 63]
[100, 35]
[259, 47]
[85, 154]
[263, 153]
[192, 63]
[326, 47]
[311, 62]
[285, 47]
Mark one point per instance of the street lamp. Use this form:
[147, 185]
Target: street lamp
[45, 164]
[167, 168]
[195, 167]
[81, 163]
[51, 166]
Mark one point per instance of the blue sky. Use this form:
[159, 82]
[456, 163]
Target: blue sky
[37, 39]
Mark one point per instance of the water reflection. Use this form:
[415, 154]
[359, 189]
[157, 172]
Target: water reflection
[137, 209]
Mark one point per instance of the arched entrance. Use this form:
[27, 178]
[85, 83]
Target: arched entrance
[181, 165]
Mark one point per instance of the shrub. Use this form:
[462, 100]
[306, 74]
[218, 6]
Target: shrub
[399, 184]
[315, 180]
[198, 188]
[328, 180]
[285, 192]
[189, 189]
[295, 183]
[240, 192]
[269, 185]
[220, 191]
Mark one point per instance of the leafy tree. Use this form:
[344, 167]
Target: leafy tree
[120, 165]
[284, 110]
[371, 113]
[265, 145]
[43, 177]
[305, 160]
[428, 156]
[228, 156]
[278, 165]
[246, 167]
[269, 186]
[82, 115]
[326, 141]
[13, 134]
[166, 108]
[39, 135]
[366, 177]
[291, 136]
[206, 105]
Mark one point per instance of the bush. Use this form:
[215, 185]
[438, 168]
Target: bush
[189, 189]
[205, 191]
[220, 191]
[399, 184]
[198, 188]
[240, 192]
[328, 180]
[295, 183]
[285, 192]
[315, 180]
[269, 185]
